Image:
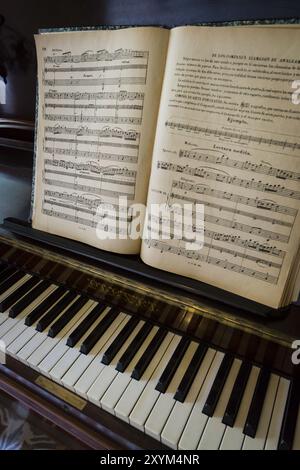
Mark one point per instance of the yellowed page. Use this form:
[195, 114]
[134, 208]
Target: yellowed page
[98, 100]
[228, 137]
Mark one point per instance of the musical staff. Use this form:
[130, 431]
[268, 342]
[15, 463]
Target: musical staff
[233, 135]
[94, 119]
[89, 154]
[91, 167]
[89, 201]
[98, 143]
[221, 249]
[115, 132]
[246, 228]
[86, 210]
[222, 208]
[196, 255]
[101, 178]
[232, 180]
[248, 244]
[120, 54]
[87, 189]
[82, 221]
[93, 96]
[261, 168]
[108, 81]
[93, 106]
[264, 204]
[105, 68]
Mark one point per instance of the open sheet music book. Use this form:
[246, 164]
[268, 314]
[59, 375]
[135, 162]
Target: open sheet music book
[191, 115]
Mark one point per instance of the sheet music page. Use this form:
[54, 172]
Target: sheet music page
[228, 137]
[98, 101]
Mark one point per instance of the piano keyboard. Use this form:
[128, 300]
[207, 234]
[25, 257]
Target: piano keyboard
[184, 393]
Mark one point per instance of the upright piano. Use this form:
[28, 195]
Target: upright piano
[126, 357]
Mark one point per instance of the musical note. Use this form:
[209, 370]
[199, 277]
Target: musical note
[95, 119]
[57, 82]
[106, 131]
[105, 95]
[94, 106]
[236, 198]
[221, 263]
[90, 154]
[260, 168]
[197, 129]
[232, 180]
[226, 238]
[98, 143]
[88, 189]
[120, 54]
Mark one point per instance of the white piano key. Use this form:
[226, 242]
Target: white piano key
[179, 415]
[7, 325]
[135, 388]
[165, 403]
[277, 415]
[144, 405]
[95, 367]
[108, 374]
[197, 420]
[54, 348]
[60, 349]
[13, 333]
[72, 353]
[214, 429]
[122, 379]
[3, 317]
[19, 326]
[83, 361]
[48, 344]
[21, 341]
[258, 442]
[31, 346]
[233, 437]
[296, 443]
[30, 331]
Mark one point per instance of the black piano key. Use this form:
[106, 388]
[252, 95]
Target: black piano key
[172, 366]
[18, 293]
[66, 317]
[149, 353]
[237, 393]
[28, 299]
[98, 331]
[83, 327]
[119, 341]
[190, 373]
[47, 303]
[13, 279]
[289, 421]
[6, 273]
[257, 403]
[133, 347]
[55, 311]
[217, 387]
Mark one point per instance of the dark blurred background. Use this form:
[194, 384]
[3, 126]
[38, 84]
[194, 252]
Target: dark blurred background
[23, 18]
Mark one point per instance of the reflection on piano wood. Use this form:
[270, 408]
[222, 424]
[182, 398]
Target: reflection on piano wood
[172, 371]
